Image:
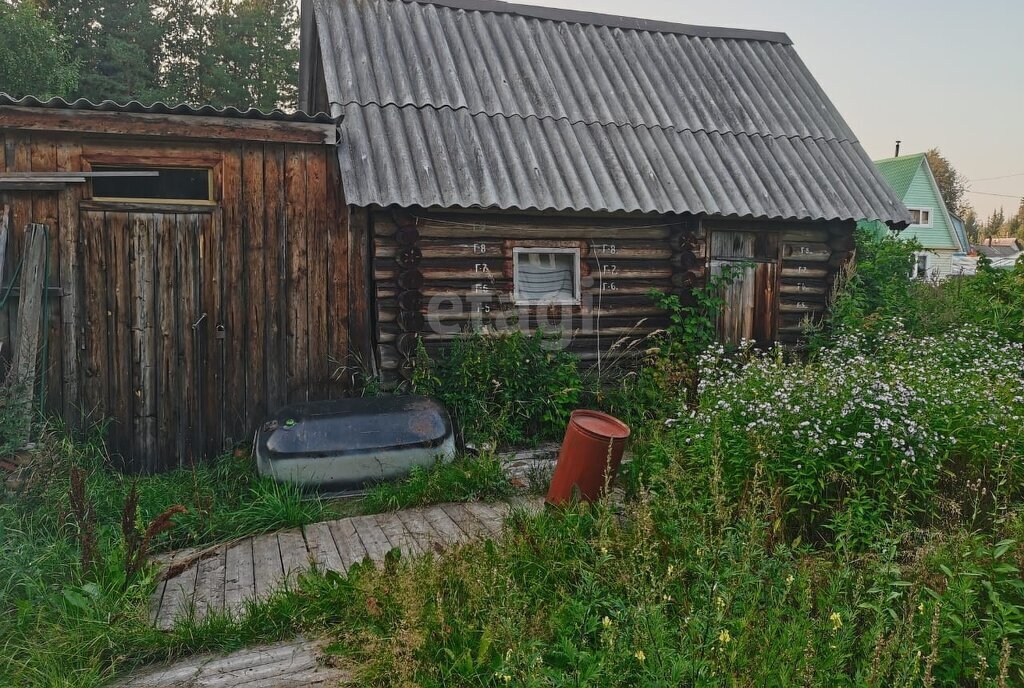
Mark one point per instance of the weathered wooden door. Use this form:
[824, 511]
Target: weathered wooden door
[150, 349]
[751, 297]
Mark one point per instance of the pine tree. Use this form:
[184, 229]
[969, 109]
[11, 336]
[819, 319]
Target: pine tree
[952, 184]
[115, 43]
[231, 52]
[971, 226]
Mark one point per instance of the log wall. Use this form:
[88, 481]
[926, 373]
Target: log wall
[184, 324]
[436, 274]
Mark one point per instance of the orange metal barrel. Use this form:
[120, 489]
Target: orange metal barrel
[589, 457]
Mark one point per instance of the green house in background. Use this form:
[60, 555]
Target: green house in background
[934, 228]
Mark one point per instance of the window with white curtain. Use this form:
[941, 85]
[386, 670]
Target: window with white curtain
[546, 276]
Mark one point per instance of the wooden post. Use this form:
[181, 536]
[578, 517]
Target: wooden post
[30, 304]
[4, 214]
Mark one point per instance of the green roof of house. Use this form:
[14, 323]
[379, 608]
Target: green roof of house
[899, 172]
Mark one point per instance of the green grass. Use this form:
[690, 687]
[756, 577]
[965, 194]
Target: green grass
[465, 479]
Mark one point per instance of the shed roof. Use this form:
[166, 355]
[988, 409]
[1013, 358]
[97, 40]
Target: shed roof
[477, 103]
[135, 106]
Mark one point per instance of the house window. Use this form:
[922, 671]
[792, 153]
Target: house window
[920, 270]
[921, 217]
[546, 276]
[170, 185]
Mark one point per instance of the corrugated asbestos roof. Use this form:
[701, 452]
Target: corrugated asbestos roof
[476, 103]
[164, 109]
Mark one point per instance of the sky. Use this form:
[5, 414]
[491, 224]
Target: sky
[932, 73]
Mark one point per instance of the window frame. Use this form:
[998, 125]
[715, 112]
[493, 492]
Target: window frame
[923, 209]
[209, 200]
[146, 157]
[577, 297]
[920, 272]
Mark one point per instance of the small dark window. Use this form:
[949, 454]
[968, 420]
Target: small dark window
[188, 184]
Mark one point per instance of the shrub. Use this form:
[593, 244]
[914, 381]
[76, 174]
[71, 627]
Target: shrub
[860, 436]
[510, 387]
[878, 285]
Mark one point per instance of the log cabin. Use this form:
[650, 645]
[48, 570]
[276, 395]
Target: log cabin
[516, 166]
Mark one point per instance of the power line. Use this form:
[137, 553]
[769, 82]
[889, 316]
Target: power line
[1005, 176]
[986, 193]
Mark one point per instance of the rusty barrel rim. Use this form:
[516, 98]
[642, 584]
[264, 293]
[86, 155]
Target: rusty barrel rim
[598, 425]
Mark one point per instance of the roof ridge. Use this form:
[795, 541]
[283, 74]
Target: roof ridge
[901, 157]
[571, 122]
[609, 20]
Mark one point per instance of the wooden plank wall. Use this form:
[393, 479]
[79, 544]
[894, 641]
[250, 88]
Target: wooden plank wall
[186, 325]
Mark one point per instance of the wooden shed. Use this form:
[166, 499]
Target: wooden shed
[183, 305]
[509, 165]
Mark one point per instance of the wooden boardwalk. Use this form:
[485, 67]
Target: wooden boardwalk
[224, 578]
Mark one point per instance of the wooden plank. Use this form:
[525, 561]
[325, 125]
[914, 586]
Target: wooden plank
[268, 571]
[5, 216]
[322, 549]
[397, 535]
[211, 332]
[30, 306]
[297, 297]
[255, 278]
[190, 448]
[119, 318]
[294, 555]
[290, 664]
[69, 159]
[167, 388]
[199, 127]
[338, 278]
[178, 597]
[143, 371]
[316, 238]
[234, 304]
[372, 537]
[448, 532]
[94, 300]
[18, 159]
[275, 267]
[239, 577]
[43, 158]
[491, 515]
[346, 539]
[465, 520]
[210, 585]
[360, 280]
[418, 527]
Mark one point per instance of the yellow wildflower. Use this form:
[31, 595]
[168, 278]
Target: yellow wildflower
[666, 598]
[671, 568]
[606, 622]
[837, 620]
[604, 551]
[724, 638]
[640, 656]
[720, 603]
[920, 608]
[789, 579]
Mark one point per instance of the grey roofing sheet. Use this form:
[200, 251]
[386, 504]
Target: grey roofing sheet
[164, 109]
[491, 107]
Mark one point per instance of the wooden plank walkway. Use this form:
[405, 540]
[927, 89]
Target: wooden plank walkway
[224, 578]
[293, 664]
